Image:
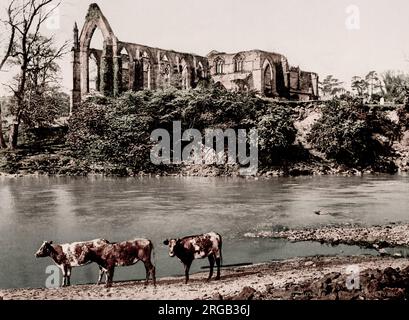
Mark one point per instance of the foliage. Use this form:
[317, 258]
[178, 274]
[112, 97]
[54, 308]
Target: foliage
[347, 132]
[33, 55]
[359, 85]
[41, 109]
[276, 134]
[331, 86]
[118, 130]
[395, 86]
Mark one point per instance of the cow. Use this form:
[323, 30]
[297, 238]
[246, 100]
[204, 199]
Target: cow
[125, 253]
[197, 247]
[66, 255]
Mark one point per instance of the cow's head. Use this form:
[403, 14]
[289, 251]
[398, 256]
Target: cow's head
[85, 255]
[171, 243]
[45, 249]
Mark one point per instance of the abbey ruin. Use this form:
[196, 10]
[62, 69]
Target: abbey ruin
[122, 66]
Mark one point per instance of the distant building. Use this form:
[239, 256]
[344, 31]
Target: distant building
[123, 66]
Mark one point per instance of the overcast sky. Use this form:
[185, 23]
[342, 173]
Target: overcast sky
[312, 34]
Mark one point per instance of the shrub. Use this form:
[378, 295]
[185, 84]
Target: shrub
[117, 131]
[347, 130]
[276, 134]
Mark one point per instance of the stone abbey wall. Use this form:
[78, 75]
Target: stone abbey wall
[122, 66]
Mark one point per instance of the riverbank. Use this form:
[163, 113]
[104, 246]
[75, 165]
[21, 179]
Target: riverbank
[378, 237]
[300, 278]
[23, 163]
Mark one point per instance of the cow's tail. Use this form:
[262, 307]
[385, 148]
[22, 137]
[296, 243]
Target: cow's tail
[152, 253]
[220, 249]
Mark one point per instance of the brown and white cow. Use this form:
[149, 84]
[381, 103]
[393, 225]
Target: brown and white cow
[66, 255]
[197, 247]
[125, 253]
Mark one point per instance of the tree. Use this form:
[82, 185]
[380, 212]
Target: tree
[7, 24]
[347, 132]
[32, 53]
[373, 82]
[359, 85]
[395, 86]
[3, 59]
[2, 141]
[331, 86]
[43, 102]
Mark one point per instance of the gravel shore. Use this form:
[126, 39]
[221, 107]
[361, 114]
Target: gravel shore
[378, 237]
[276, 280]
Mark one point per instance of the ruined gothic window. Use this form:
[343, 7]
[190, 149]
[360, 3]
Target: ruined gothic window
[219, 66]
[238, 64]
[125, 69]
[268, 77]
[94, 73]
[200, 71]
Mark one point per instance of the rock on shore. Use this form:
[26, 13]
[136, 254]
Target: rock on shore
[378, 237]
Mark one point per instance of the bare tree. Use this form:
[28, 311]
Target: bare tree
[11, 14]
[25, 19]
[2, 141]
[41, 90]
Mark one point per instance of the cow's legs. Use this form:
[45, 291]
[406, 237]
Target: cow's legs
[64, 275]
[218, 263]
[150, 270]
[211, 262]
[110, 277]
[101, 273]
[187, 268]
[147, 268]
[153, 273]
[68, 276]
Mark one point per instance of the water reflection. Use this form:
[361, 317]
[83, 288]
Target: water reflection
[66, 209]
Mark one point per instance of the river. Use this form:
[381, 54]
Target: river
[67, 209]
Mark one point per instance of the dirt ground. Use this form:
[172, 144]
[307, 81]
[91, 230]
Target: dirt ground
[263, 281]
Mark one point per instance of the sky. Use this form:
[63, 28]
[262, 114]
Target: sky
[337, 37]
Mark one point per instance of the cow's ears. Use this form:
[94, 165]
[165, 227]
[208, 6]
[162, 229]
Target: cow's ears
[166, 242]
[50, 242]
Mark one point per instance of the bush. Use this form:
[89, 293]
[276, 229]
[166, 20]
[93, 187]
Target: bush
[117, 131]
[276, 135]
[347, 132]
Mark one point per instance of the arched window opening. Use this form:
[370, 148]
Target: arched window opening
[165, 72]
[268, 80]
[238, 64]
[200, 71]
[185, 77]
[95, 50]
[125, 69]
[146, 67]
[97, 40]
[94, 74]
[219, 66]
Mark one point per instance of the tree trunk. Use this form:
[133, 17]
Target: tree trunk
[13, 135]
[2, 142]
